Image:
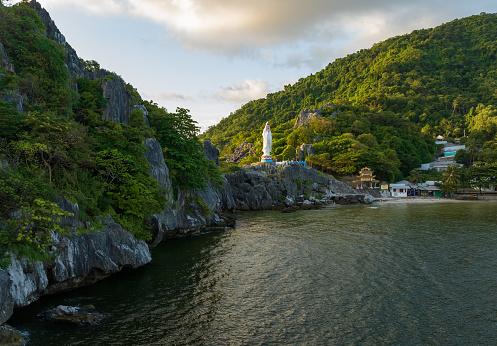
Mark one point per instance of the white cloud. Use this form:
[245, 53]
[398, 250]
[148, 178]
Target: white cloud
[244, 91]
[168, 96]
[250, 27]
[98, 7]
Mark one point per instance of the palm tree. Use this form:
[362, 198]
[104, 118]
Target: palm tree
[450, 179]
[415, 176]
[472, 150]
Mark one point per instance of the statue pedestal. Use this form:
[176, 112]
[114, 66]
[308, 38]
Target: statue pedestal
[268, 158]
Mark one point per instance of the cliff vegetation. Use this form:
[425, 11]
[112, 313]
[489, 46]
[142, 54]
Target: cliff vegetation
[71, 129]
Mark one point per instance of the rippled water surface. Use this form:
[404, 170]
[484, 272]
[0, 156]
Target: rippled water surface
[385, 274]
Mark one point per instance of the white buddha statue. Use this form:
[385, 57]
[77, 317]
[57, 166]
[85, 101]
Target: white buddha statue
[266, 144]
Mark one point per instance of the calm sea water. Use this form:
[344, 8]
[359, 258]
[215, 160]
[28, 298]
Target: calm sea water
[385, 274]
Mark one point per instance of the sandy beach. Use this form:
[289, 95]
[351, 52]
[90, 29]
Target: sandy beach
[422, 200]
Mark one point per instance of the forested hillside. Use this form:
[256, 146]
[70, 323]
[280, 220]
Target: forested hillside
[60, 136]
[392, 99]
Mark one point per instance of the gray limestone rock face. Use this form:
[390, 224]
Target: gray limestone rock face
[300, 155]
[69, 221]
[368, 199]
[306, 205]
[15, 97]
[337, 186]
[88, 257]
[12, 96]
[119, 101]
[158, 168]
[307, 115]
[52, 32]
[4, 60]
[210, 197]
[97, 74]
[80, 259]
[227, 203]
[243, 150]
[256, 188]
[308, 149]
[6, 302]
[29, 278]
[211, 152]
[74, 65]
[145, 113]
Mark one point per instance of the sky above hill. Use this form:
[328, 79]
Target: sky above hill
[212, 56]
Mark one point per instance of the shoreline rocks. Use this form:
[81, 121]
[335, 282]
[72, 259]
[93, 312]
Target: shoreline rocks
[84, 258]
[10, 336]
[84, 315]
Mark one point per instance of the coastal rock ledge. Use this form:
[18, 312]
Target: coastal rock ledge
[86, 257]
[81, 259]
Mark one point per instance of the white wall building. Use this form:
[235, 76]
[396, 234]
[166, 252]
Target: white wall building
[398, 190]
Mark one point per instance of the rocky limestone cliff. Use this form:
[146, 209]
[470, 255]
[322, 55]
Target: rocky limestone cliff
[74, 65]
[158, 169]
[84, 258]
[14, 96]
[211, 152]
[6, 301]
[265, 187]
[193, 211]
[243, 150]
[119, 101]
[307, 115]
[4, 61]
[304, 151]
[80, 259]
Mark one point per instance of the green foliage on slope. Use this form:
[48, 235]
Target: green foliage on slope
[62, 147]
[428, 80]
[177, 134]
[41, 74]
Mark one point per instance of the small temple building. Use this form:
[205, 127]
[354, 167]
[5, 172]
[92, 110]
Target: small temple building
[366, 179]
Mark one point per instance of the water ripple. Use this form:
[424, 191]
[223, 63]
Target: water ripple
[393, 274]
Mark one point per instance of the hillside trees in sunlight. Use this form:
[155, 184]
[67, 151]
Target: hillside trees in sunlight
[404, 91]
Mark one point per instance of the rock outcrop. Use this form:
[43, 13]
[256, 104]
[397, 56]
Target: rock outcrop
[84, 315]
[211, 152]
[85, 257]
[13, 96]
[158, 169]
[353, 199]
[80, 259]
[74, 65]
[307, 115]
[243, 150]
[6, 301]
[304, 151]
[119, 101]
[4, 61]
[10, 337]
[258, 188]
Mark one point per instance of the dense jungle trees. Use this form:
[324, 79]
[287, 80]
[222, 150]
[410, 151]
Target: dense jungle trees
[61, 147]
[403, 91]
